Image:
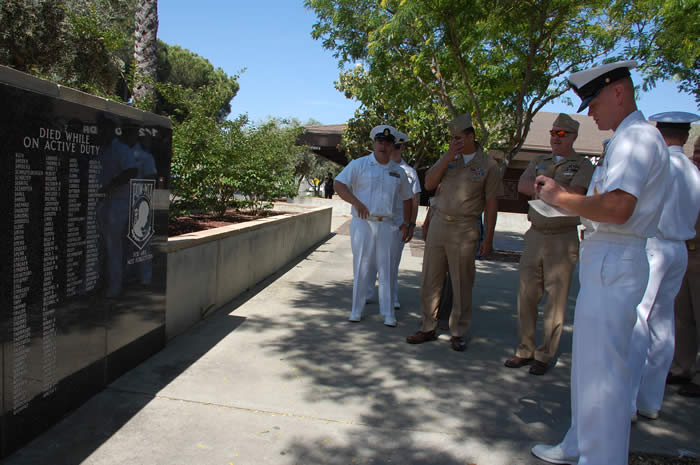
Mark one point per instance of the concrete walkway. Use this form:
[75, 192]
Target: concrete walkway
[281, 377]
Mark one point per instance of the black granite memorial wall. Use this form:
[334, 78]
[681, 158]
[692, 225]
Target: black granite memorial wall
[83, 255]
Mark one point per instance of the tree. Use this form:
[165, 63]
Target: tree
[179, 66]
[145, 50]
[78, 43]
[665, 37]
[218, 165]
[264, 167]
[429, 60]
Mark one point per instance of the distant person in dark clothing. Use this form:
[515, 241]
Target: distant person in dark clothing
[328, 187]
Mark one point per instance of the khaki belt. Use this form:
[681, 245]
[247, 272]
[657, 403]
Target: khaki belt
[560, 230]
[450, 218]
[378, 218]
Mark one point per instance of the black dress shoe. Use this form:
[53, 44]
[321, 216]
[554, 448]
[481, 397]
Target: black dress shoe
[677, 379]
[538, 368]
[458, 343]
[690, 390]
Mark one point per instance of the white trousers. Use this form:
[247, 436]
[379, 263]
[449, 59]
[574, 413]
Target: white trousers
[396, 250]
[371, 250]
[653, 339]
[613, 271]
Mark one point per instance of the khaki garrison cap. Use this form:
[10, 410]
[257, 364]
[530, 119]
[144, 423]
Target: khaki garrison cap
[588, 83]
[566, 122]
[460, 123]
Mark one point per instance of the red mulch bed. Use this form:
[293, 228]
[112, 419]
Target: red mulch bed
[193, 223]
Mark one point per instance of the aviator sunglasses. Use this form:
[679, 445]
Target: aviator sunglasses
[560, 133]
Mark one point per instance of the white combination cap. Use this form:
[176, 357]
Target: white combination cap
[678, 119]
[588, 83]
[402, 138]
[384, 132]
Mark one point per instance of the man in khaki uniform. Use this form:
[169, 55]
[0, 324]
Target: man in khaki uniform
[471, 183]
[687, 314]
[551, 249]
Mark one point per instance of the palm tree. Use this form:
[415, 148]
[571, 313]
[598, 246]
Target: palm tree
[145, 45]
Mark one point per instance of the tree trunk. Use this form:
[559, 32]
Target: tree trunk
[145, 44]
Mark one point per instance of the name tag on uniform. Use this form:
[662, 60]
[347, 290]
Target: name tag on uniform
[477, 172]
[394, 174]
[541, 167]
[570, 170]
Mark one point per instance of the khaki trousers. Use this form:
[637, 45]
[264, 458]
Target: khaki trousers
[451, 246]
[687, 320]
[545, 267]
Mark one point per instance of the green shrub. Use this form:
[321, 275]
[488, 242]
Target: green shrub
[229, 164]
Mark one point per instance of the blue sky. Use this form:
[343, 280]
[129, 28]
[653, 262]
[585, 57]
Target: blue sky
[288, 74]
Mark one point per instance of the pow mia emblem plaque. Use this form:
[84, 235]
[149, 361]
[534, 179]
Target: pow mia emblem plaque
[141, 211]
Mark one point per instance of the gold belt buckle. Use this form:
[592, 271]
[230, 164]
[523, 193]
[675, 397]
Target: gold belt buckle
[379, 218]
[450, 218]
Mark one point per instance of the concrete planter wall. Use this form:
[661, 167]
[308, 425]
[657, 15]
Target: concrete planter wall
[208, 269]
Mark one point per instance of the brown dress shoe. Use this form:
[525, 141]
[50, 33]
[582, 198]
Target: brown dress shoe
[458, 343]
[420, 337]
[538, 368]
[517, 362]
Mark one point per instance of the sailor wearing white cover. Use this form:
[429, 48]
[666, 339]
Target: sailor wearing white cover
[620, 211]
[398, 243]
[654, 333]
[371, 184]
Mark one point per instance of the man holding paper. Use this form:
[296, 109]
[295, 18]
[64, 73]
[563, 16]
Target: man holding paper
[620, 211]
[551, 249]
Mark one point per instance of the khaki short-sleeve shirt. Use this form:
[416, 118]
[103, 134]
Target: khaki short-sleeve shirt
[467, 186]
[574, 170]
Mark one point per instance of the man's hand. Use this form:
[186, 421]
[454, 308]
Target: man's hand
[456, 147]
[406, 232]
[485, 248]
[362, 210]
[548, 190]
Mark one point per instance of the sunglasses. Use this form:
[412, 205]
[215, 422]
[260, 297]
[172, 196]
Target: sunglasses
[560, 133]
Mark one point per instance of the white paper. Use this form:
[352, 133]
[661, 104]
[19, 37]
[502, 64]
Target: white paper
[547, 210]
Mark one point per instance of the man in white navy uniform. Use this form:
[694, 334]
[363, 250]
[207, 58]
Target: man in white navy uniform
[620, 211]
[654, 336]
[397, 243]
[371, 184]
[687, 314]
